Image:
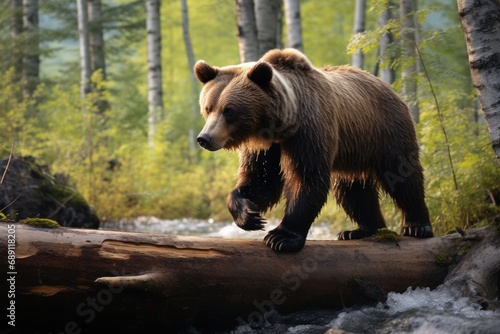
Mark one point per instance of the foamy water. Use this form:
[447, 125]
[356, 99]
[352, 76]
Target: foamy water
[207, 228]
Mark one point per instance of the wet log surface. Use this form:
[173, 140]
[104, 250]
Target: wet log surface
[75, 279]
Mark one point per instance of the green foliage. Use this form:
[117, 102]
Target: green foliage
[475, 202]
[106, 155]
[14, 109]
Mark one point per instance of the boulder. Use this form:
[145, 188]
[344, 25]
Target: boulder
[29, 190]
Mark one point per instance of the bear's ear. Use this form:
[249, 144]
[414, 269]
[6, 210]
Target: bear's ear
[204, 72]
[261, 73]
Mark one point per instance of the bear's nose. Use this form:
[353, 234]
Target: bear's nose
[204, 140]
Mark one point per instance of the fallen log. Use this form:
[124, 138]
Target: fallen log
[74, 280]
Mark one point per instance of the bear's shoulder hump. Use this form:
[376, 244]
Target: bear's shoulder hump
[288, 59]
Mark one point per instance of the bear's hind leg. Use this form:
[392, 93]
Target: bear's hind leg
[361, 203]
[406, 187]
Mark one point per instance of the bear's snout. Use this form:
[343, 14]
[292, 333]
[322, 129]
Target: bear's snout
[204, 140]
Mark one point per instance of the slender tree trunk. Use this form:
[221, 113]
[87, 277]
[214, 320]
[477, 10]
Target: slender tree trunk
[31, 59]
[155, 93]
[409, 89]
[480, 21]
[416, 36]
[85, 87]
[16, 30]
[96, 37]
[83, 33]
[247, 31]
[359, 27]
[279, 26]
[267, 15]
[386, 70]
[294, 24]
[194, 83]
[96, 44]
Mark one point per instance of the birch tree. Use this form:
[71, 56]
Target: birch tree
[85, 88]
[386, 70]
[259, 27]
[294, 24]
[247, 31]
[267, 15]
[31, 58]
[481, 26]
[155, 93]
[359, 27]
[409, 88]
[192, 77]
[83, 34]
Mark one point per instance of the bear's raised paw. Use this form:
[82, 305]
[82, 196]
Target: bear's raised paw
[283, 240]
[245, 213]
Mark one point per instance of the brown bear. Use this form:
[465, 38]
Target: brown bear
[302, 131]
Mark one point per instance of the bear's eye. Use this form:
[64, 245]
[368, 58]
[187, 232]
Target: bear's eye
[229, 115]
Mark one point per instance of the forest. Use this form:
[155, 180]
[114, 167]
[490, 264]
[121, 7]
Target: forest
[103, 92]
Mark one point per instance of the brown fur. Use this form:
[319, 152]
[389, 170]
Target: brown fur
[334, 128]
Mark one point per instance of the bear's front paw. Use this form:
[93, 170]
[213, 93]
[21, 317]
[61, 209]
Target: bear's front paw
[245, 213]
[283, 240]
[354, 235]
[418, 231]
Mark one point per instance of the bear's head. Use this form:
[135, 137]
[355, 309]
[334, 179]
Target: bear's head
[236, 102]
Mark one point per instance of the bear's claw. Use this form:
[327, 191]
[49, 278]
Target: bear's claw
[247, 217]
[355, 235]
[283, 240]
[418, 231]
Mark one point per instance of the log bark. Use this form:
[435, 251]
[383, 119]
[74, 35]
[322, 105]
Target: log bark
[69, 279]
[477, 274]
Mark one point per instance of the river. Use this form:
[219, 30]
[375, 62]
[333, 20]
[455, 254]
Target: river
[417, 311]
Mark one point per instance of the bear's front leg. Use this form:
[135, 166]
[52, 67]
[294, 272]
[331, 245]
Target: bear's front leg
[290, 235]
[246, 214]
[259, 187]
[306, 192]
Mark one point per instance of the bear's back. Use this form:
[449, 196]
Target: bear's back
[370, 114]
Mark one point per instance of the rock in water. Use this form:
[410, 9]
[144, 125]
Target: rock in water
[29, 190]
